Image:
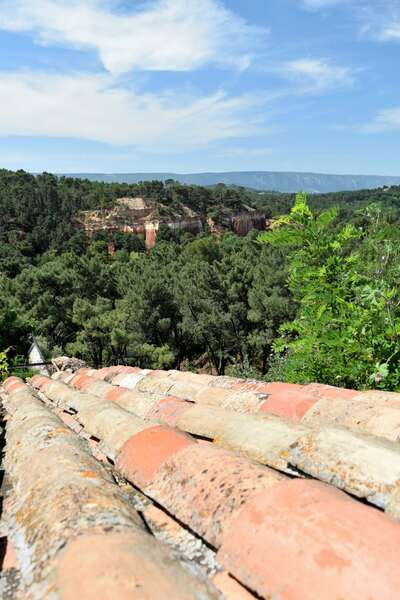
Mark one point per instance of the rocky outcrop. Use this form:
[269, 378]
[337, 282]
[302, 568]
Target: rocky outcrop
[144, 218]
[129, 215]
[192, 225]
[245, 222]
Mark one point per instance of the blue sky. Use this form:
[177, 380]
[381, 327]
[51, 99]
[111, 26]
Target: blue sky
[200, 85]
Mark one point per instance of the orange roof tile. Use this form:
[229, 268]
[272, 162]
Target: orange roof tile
[255, 474]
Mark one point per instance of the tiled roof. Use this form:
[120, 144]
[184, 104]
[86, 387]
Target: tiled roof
[128, 483]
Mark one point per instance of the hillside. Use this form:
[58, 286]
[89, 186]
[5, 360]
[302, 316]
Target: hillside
[257, 180]
[108, 273]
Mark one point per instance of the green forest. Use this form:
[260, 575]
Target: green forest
[314, 298]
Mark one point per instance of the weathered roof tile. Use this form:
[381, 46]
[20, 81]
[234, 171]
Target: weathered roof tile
[307, 540]
[227, 460]
[73, 532]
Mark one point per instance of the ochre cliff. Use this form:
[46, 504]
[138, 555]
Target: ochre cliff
[144, 217]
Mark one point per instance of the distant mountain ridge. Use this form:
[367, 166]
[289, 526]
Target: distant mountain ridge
[258, 180]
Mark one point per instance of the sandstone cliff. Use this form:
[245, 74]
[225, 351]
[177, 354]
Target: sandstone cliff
[144, 217]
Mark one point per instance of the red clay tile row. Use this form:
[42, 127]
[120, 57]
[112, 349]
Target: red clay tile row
[73, 531]
[280, 537]
[171, 531]
[139, 457]
[155, 518]
[373, 412]
[361, 465]
[281, 399]
[306, 540]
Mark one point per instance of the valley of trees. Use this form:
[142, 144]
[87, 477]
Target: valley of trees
[316, 298]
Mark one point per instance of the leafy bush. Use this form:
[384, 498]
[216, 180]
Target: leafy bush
[4, 364]
[347, 328]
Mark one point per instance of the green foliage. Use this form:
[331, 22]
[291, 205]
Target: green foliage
[344, 280]
[155, 357]
[18, 369]
[15, 326]
[317, 300]
[243, 370]
[4, 364]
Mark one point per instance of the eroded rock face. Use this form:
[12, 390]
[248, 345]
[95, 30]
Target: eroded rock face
[192, 225]
[142, 217]
[240, 224]
[129, 215]
[243, 223]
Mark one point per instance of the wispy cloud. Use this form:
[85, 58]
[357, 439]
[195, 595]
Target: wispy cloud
[168, 35]
[378, 19]
[93, 107]
[392, 31]
[386, 120]
[316, 4]
[382, 22]
[316, 75]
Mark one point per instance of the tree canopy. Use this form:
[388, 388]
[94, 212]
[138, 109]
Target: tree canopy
[314, 298]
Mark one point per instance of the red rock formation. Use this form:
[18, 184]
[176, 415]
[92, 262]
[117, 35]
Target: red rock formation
[111, 248]
[136, 215]
[151, 234]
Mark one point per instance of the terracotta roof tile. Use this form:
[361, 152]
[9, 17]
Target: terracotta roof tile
[73, 532]
[252, 474]
[307, 540]
[372, 412]
[330, 453]
[144, 453]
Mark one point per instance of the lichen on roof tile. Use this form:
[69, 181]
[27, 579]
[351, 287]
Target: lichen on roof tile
[287, 491]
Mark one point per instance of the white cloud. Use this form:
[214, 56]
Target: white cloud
[376, 19]
[316, 4]
[391, 31]
[316, 75]
[384, 24]
[171, 35]
[92, 107]
[379, 20]
[386, 120]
